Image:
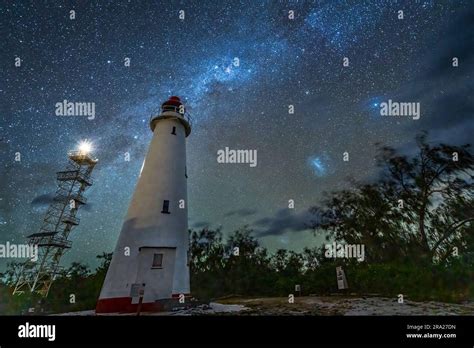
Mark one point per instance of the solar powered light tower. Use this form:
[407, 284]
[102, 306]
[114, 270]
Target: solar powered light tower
[150, 262]
[52, 239]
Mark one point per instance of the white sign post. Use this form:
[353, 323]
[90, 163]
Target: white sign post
[341, 279]
[298, 289]
[138, 290]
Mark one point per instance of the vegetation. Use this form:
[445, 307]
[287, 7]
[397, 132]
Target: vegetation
[76, 280]
[415, 221]
[420, 209]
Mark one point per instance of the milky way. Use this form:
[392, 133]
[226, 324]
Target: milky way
[239, 65]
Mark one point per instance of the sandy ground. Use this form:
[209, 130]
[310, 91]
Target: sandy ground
[350, 306]
[318, 305]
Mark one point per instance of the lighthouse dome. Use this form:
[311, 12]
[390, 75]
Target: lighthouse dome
[172, 101]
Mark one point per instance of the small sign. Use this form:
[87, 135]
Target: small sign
[341, 279]
[298, 288]
[137, 290]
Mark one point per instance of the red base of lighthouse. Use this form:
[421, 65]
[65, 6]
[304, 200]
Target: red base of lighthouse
[125, 305]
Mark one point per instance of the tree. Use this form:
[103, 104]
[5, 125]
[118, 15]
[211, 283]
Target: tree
[12, 273]
[246, 264]
[105, 258]
[206, 263]
[422, 206]
[238, 266]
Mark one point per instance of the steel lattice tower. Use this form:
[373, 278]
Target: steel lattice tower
[52, 238]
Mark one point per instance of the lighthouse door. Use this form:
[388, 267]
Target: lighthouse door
[156, 271]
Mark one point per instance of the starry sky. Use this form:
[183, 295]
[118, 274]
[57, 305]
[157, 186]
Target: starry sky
[281, 62]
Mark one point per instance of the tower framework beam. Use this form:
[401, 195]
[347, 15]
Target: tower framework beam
[60, 219]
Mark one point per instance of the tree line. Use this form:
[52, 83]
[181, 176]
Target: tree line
[415, 222]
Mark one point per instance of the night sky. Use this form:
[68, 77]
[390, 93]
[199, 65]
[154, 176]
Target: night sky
[282, 62]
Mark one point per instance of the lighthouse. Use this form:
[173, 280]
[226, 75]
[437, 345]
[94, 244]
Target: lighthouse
[150, 263]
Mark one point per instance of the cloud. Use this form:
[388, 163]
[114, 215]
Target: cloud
[451, 110]
[285, 220]
[444, 91]
[241, 212]
[43, 200]
[452, 44]
[46, 199]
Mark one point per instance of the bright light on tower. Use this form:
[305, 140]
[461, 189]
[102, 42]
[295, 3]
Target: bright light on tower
[85, 147]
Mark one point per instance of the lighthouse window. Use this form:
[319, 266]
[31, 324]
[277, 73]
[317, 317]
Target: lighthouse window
[174, 131]
[166, 207]
[157, 261]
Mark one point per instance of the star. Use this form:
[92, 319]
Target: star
[242, 106]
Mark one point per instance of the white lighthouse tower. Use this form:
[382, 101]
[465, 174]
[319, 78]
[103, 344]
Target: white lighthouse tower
[151, 257]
